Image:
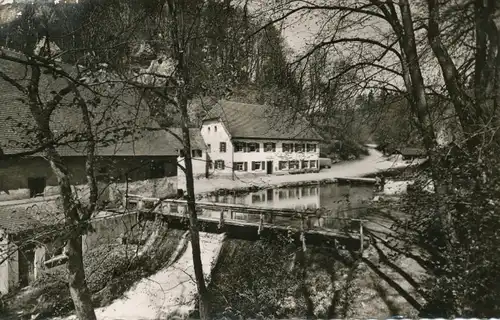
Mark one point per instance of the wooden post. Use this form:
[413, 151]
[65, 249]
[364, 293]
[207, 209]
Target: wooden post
[166, 208]
[125, 201]
[361, 237]
[221, 220]
[303, 234]
[261, 224]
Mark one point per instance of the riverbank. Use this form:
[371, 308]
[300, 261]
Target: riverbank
[373, 163]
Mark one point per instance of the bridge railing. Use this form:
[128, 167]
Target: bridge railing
[303, 220]
[307, 219]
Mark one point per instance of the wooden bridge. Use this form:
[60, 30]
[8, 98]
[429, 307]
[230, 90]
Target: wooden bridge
[251, 222]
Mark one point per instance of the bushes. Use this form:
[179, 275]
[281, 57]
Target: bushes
[265, 279]
[252, 279]
[343, 150]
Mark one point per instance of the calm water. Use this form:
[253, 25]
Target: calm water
[341, 201]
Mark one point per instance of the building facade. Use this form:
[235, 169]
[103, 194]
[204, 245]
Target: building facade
[245, 139]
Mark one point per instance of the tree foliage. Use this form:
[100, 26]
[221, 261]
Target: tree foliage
[443, 59]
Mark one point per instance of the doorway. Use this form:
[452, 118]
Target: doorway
[26, 267]
[37, 186]
[269, 167]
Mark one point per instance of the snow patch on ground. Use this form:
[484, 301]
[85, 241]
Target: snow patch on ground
[396, 187]
[169, 292]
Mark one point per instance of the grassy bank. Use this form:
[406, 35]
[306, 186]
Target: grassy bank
[264, 279]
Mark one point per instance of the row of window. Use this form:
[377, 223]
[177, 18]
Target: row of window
[296, 164]
[268, 147]
[261, 165]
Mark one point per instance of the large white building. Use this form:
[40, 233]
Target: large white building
[254, 139]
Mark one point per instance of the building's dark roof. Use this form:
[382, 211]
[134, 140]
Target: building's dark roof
[261, 122]
[119, 118]
[155, 143]
[414, 152]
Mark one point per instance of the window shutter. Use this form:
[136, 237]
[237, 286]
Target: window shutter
[245, 166]
[274, 146]
[223, 164]
[257, 146]
[263, 165]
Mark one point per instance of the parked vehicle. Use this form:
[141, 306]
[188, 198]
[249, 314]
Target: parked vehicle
[325, 163]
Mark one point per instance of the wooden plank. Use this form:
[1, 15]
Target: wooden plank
[356, 179]
[242, 223]
[249, 231]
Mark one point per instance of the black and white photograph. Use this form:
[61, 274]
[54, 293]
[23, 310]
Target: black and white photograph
[249, 159]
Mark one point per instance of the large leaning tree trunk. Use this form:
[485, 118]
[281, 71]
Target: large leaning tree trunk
[76, 215]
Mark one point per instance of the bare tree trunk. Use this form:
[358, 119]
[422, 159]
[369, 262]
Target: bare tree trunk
[181, 50]
[203, 296]
[77, 284]
[76, 273]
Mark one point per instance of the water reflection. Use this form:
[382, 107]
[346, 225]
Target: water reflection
[335, 201]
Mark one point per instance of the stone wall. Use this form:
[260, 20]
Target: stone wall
[9, 268]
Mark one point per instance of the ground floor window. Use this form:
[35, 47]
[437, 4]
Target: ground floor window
[312, 163]
[240, 166]
[305, 164]
[219, 165]
[283, 165]
[294, 164]
[258, 165]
